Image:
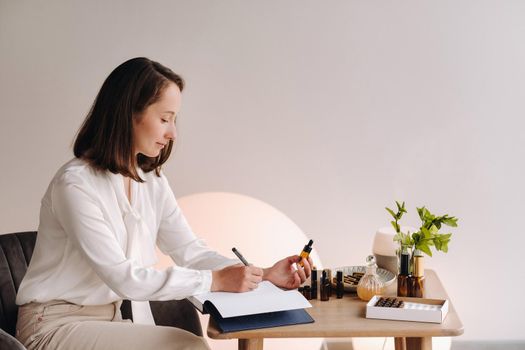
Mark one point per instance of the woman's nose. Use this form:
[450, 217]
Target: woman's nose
[172, 132]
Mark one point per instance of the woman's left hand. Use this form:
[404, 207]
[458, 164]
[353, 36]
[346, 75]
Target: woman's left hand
[286, 273]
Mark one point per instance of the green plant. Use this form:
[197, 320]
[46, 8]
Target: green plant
[404, 239]
[428, 234]
[397, 216]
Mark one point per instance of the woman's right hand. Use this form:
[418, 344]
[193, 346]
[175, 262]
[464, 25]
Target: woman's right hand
[236, 278]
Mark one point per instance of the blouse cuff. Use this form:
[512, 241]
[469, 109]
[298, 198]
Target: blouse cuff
[205, 286]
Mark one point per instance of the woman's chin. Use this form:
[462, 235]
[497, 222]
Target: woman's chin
[151, 154]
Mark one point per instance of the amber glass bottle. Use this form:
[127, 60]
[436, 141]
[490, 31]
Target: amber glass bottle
[305, 253]
[340, 289]
[313, 283]
[416, 282]
[325, 287]
[370, 284]
[403, 277]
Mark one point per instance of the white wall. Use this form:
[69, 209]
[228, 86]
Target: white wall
[329, 111]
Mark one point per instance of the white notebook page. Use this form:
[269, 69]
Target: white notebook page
[266, 298]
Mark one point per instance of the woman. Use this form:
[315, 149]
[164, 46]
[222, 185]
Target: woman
[101, 217]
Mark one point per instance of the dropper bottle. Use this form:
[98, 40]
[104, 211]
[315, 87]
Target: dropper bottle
[416, 282]
[403, 277]
[325, 287]
[313, 283]
[306, 252]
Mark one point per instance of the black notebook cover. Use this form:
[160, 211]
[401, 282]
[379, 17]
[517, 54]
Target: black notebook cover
[266, 320]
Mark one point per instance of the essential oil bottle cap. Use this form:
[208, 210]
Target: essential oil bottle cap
[370, 260]
[308, 248]
[339, 276]
[404, 264]
[419, 268]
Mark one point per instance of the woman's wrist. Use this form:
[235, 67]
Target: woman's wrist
[265, 274]
[215, 281]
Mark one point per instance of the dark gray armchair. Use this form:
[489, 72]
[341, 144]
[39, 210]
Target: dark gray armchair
[15, 252]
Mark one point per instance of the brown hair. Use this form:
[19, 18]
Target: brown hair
[105, 138]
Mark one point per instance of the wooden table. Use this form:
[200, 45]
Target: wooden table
[346, 318]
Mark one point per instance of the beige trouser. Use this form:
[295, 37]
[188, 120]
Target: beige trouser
[64, 326]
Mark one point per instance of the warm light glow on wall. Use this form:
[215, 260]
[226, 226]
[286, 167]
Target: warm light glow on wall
[262, 233]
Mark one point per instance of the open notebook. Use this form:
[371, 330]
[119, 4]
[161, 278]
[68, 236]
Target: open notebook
[266, 306]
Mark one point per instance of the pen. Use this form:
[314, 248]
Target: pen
[239, 255]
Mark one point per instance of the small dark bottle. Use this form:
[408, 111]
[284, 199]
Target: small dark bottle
[325, 284]
[340, 286]
[416, 282]
[307, 292]
[313, 283]
[329, 280]
[403, 277]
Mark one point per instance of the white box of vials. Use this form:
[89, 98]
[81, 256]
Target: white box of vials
[413, 309]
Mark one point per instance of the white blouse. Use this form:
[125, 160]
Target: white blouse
[95, 247]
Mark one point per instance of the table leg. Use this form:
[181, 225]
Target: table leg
[423, 343]
[400, 344]
[251, 344]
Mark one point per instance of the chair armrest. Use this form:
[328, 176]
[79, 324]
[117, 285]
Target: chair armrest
[176, 313]
[8, 342]
[172, 313]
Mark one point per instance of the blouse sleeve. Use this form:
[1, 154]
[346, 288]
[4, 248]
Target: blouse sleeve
[75, 206]
[176, 239]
